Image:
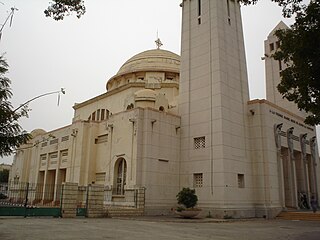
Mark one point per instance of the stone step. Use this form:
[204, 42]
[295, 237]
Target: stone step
[303, 216]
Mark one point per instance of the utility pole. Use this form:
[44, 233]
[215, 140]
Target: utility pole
[10, 16]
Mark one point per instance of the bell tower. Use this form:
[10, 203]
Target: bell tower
[214, 92]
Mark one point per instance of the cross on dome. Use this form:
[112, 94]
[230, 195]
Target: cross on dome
[158, 43]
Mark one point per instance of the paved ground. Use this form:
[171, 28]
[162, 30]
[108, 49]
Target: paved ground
[155, 228]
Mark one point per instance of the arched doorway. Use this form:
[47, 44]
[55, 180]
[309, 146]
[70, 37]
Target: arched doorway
[120, 173]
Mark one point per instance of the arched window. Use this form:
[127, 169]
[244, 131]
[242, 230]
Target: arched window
[99, 115]
[120, 173]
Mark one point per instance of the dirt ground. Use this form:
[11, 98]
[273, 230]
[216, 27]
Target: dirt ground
[155, 228]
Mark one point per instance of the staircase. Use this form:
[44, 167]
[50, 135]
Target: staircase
[299, 215]
[125, 212]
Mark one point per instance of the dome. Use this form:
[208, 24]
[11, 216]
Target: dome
[151, 60]
[155, 60]
[37, 132]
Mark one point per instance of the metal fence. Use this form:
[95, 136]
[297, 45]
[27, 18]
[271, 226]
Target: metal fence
[31, 199]
[30, 194]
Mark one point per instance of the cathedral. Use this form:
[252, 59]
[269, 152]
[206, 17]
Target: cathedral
[167, 121]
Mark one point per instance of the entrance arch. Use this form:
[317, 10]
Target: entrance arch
[120, 174]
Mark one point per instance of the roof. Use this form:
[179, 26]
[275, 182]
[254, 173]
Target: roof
[281, 25]
[151, 60]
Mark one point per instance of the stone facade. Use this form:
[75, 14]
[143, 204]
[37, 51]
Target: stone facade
[160, 127]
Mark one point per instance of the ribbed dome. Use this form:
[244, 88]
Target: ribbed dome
[152, 60]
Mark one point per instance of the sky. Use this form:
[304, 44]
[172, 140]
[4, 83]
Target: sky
[80, 55]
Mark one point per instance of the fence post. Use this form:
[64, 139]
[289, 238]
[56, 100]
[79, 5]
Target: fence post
[26, 200]
[61, 200]
[95, 201]
[87, 199]
[69, 200]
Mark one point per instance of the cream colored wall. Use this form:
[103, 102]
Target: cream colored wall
[149, 142]
[120, 96]
[265, 163]
[158, 155]
[121, 144]
[213, 103]
[118, 102]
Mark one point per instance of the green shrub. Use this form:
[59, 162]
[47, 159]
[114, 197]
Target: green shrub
[187, 197]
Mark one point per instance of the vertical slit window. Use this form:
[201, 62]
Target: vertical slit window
[199, 11]
[103, 114]
[98, 115]
[280, 65]
[228, 10]
[271, 45]
[241, 181]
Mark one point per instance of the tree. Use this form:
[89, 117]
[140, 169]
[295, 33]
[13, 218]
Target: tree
[300, 51]
[58, 9]
[289, 7]
[11, 134]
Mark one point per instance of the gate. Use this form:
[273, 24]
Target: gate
[30, 199]
[82, 201]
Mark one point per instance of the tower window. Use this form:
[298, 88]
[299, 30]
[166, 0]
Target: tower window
[199, 142]
[228, 9]
[280, 65]
[271, 46]
[240, 180]
[197, 180]
[199, 11]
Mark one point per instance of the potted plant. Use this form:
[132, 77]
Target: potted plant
[187, 199]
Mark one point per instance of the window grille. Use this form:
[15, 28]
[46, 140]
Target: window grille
[199, 142]
[65, 138]
[64, 156]
[197, 180]
[54, 141]
[101, 139]
[53, 155]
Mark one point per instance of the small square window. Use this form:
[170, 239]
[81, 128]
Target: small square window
[240, 180]
[271, 47]
[197, 180]
[199, 142]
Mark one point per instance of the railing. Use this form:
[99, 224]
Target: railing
[131, 198]
[303, 202]
[30, 194]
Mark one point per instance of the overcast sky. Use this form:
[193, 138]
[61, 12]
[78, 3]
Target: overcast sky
[82, 54]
